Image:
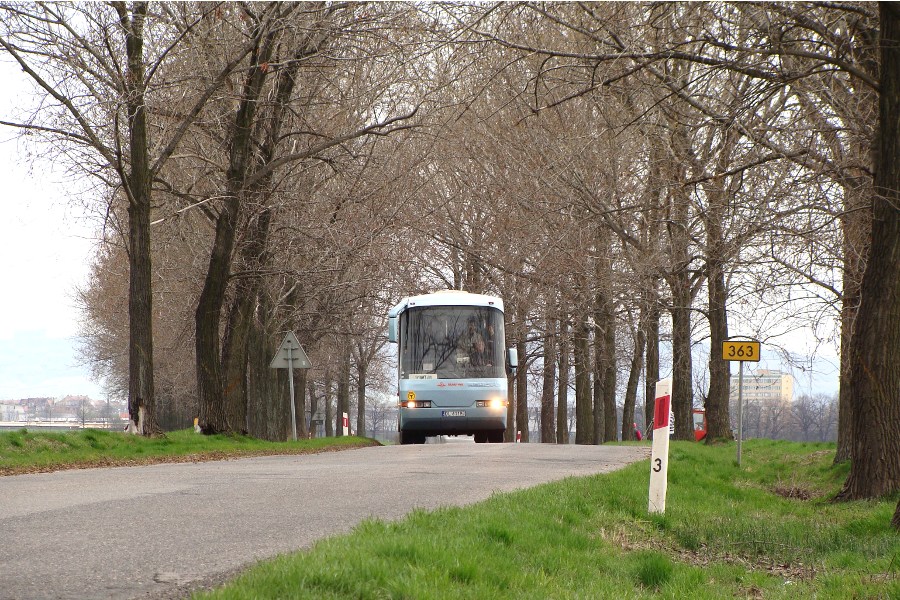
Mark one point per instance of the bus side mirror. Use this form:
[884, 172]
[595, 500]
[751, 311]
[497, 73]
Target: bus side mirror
[392, 329]
[512, 359]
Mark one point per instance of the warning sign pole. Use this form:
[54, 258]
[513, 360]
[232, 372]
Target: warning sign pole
[659, 453]
[290, 360]
[290, 355]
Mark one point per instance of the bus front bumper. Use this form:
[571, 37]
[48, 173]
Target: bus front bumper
[442, 421]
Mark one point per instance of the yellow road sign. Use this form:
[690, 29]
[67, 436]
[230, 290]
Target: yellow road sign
[741, 350]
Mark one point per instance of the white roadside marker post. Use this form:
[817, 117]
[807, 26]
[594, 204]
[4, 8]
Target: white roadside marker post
[659, 453]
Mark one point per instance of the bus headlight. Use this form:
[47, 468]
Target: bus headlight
[418, 404]
[492, 403]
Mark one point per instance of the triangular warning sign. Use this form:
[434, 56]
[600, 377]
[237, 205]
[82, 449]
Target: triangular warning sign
[290, 355]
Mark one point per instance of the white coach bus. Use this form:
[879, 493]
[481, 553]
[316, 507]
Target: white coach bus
[452, 366]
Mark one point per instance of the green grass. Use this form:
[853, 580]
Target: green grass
[764, 530]
[25, 451]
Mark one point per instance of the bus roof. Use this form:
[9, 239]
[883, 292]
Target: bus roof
[447, 298]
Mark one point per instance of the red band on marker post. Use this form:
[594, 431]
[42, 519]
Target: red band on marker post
[661, 412]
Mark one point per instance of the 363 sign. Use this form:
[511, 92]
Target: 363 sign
[740, 350]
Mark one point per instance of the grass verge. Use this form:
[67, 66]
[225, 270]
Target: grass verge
[28, 451]
[766, 529]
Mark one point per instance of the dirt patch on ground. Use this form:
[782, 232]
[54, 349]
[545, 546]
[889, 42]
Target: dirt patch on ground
[793, 492]
[817, 456]
[706, 556]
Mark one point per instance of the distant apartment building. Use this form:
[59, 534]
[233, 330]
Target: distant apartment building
[765, 386]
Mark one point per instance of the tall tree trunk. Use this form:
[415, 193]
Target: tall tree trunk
[845, 395]
[343, 391]
[268, 396]
[234, 363]
[679, 278]
[875, 345]
[259, 379]
[680, 286]
[651, 369]
[651, 239]
[254, 258]
[548, 384]
[720, 193]
[474, 269]
[583, 418]
[235, 353]
[141, 394]
[856, 229]
[598, 405]
[562, 394]
[213, 414]
[634, 375]
[254, 255]
[300, 376]
[329, 407]
[522, 387]
[682, 370]
[609, 373]
[313, 407]
[856, 226]
[361, 370]
[213, 417]
[718, 420]
[604, 422]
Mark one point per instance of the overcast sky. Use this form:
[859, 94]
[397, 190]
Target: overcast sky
[45, 249]
[45, 252]
[45, 255]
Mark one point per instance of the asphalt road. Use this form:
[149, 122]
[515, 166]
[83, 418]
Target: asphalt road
[160, 531]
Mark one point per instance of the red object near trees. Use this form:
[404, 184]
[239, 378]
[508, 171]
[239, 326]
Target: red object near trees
[699, 416]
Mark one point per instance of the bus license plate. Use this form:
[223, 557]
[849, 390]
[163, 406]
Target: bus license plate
[453, 413]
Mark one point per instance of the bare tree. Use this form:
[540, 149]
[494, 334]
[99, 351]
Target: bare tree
[803, 411]
[247, 176]
[548, 383]
[99, 75]
[634, 373]
[875, 468]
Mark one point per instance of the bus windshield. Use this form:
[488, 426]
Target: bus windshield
[451, 342]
